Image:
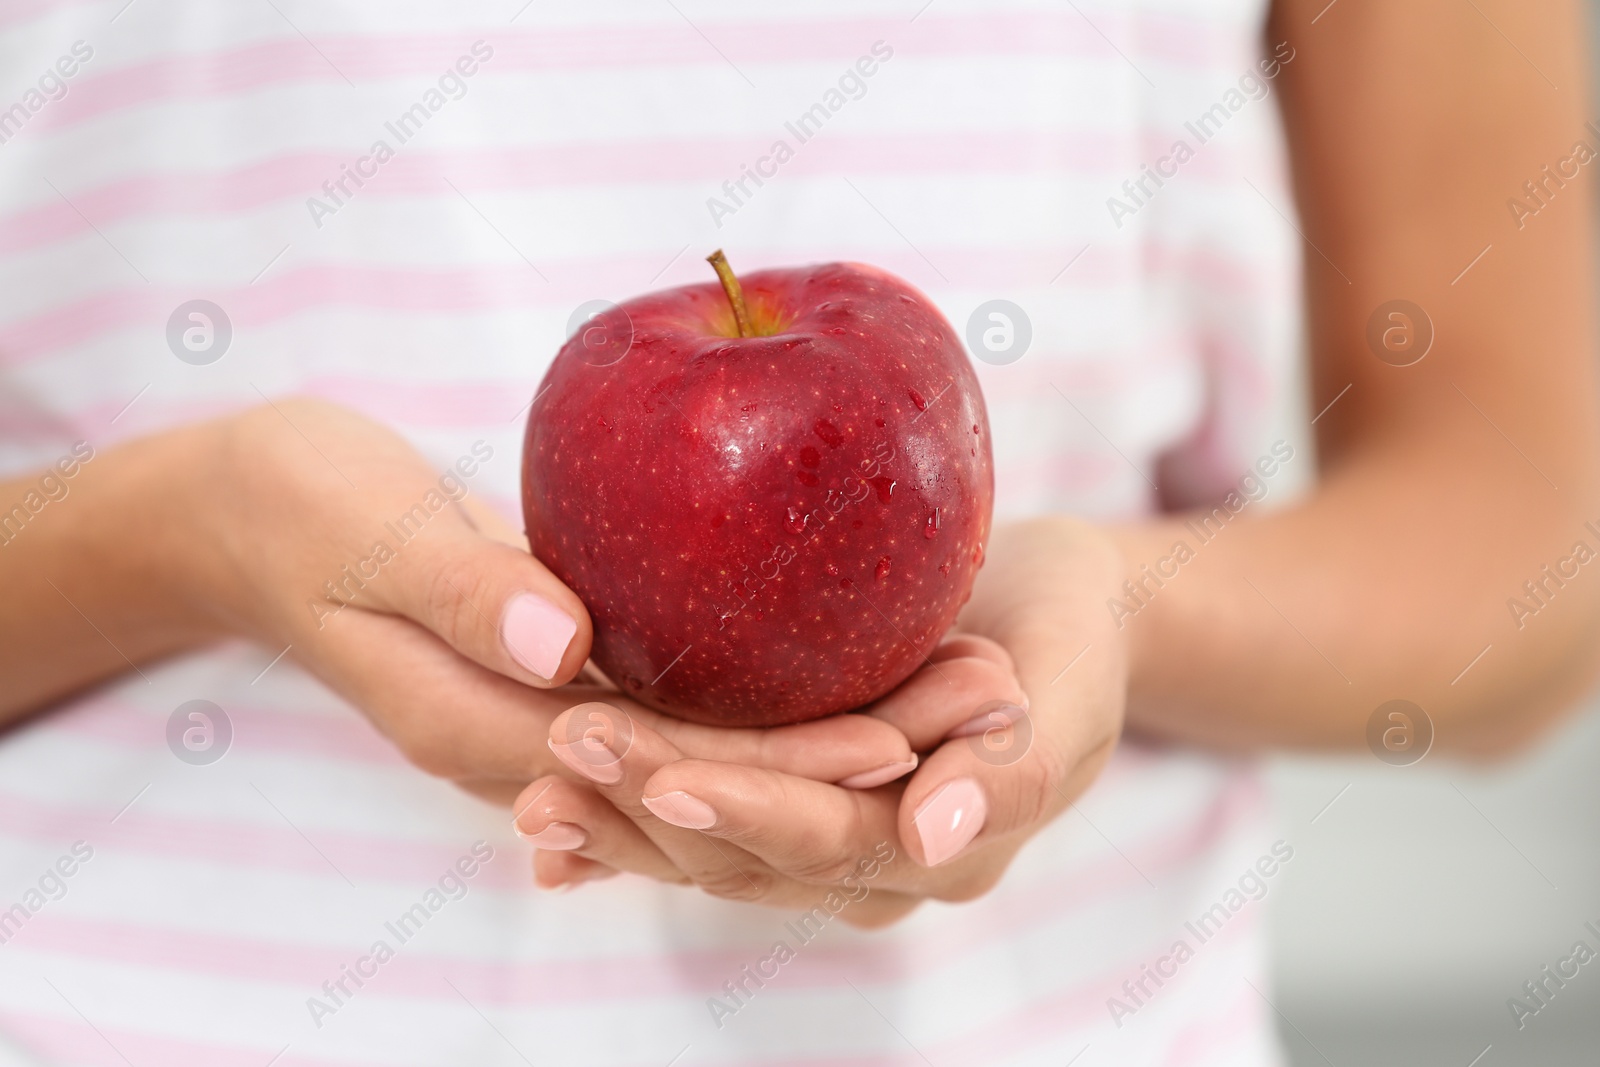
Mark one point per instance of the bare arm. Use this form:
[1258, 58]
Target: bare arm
[1447, 484]
[309, 529]
[87, 554]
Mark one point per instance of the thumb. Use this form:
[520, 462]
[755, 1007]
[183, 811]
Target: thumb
[492, 602]
[1011, 768]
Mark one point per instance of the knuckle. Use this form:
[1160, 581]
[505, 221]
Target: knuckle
[1040, 795]
[824, 866]
[448, 599]
[748, 886]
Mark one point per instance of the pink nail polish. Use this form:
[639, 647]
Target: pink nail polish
[536, 633]
[681, 809]
[993, 716]
[557, 837]
[878, 775]
[949, 819]
[591, 759]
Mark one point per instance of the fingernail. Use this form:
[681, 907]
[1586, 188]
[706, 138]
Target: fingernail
[878, 775]
[681, 809]
[557, 837]
[949, 820]
[591, 759]
[997, 717]
[536, 633]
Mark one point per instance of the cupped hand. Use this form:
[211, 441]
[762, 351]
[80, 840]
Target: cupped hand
[1017, 715]
[317, 529]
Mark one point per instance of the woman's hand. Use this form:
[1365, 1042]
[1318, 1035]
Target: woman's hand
[314, 528]
[1037, 636]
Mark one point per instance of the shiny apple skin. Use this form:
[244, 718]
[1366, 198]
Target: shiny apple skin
[770, 529]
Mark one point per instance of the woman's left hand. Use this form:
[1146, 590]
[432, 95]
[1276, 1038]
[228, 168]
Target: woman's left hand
[1017, 714]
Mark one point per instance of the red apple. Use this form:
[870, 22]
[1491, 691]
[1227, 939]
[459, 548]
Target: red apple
[773, 514]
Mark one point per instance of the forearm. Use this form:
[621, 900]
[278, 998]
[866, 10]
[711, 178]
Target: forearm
[1394, 580]
[93, 578]
[1448, 478]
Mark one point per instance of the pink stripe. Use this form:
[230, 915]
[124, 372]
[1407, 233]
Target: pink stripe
[1049, 1017]
[70, 1040]
[17, 12]
[267, 843]
[366, 58]
[1088, 154]
[489, 404]
[345, 737]
[490, 288]
[513, 982]
[1199, 1041]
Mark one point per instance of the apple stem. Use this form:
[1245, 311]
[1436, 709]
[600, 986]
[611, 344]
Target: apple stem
[731, 286]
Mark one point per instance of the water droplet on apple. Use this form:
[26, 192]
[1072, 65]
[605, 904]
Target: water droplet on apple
[810, 457]
[977, 552]
[837, 331]
[878, 423]
[828, 432]
[806, 478]
[604, 425]
[916, 398]
[882, 570]
[974, 427]
[931, 529]
[794, 522]
[908, 299]
[885, 488]
[831, 570]
[944, 568]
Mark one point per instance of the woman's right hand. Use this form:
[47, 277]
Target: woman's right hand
[312, 527]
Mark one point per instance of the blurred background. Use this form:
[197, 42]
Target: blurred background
[1424, 896]
[1429, 894]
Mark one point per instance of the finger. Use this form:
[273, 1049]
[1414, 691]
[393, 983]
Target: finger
[811, 831]
[818, 835]
[567, 870]
[450, 717]
[458, 720]
[957, 646]
[1015, 772]
[857, 751]
[618, 754]
[953, 697]
[558, 815]
[492, 602]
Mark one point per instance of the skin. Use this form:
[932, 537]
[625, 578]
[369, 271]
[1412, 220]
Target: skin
[1292, 627]
[230, 528]
[1442, 488]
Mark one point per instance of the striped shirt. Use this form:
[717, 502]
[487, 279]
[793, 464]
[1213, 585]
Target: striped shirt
[400, 208]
